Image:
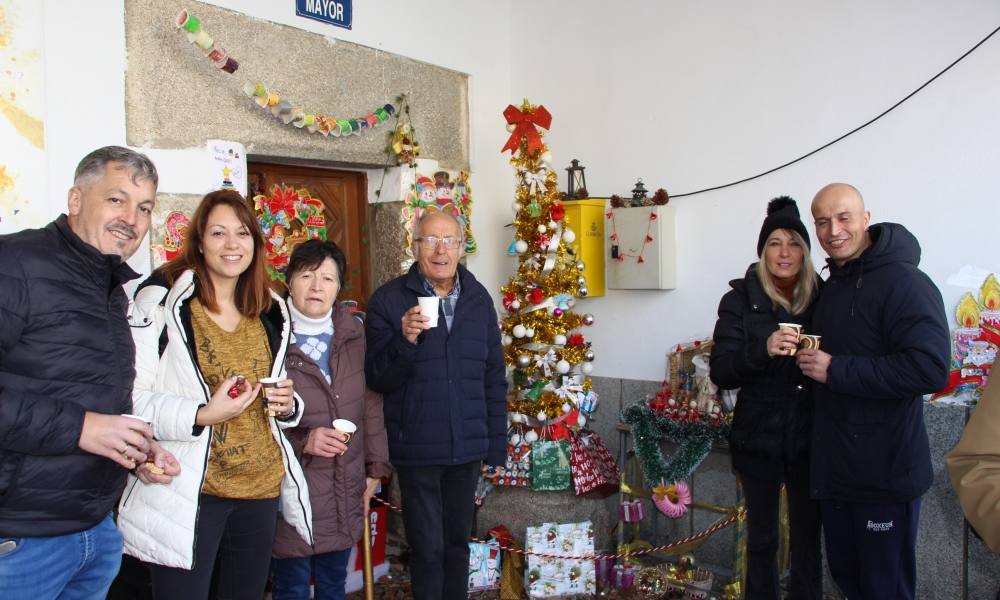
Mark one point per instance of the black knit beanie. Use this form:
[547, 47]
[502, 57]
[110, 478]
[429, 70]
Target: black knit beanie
[782, 213]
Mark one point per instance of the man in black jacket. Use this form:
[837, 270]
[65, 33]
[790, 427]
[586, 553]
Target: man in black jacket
[885, 343]
[67, 364]
[444, 401]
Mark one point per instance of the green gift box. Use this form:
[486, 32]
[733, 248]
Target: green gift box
[550, 470]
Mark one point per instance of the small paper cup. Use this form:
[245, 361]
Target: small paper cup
[809, 341]
[795, 328]
[429, 308]
[346, 427]
[267, 384]
[138, 418]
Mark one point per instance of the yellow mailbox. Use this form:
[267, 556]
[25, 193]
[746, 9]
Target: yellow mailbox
[586, 219]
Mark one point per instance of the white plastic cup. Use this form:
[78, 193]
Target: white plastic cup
[346, 427]
[429, 308]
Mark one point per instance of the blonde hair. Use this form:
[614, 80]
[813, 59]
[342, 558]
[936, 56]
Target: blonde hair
[805, 288]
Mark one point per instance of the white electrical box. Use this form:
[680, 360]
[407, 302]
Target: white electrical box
[640, 248]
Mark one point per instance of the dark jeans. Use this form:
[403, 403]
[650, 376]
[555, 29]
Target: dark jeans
[438, 508]
[872, 548]
[328, 571]
[805, 579]
[241, 533]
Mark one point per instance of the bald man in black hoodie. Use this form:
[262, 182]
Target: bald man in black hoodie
[885, 343]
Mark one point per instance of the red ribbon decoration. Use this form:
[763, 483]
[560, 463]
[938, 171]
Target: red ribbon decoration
[525, 127]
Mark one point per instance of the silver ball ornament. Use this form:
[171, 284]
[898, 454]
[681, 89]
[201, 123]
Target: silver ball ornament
[523, 361]
[589, 356]
[580, 266]
[582, 292]
[581, 280]
[588, 319]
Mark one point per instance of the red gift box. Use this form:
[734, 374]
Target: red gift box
[595, 472]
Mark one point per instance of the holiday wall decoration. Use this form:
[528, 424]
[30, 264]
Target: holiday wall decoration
[271, 100]
[975, 343]
[287, 218]
[547, 355]
[438, 190]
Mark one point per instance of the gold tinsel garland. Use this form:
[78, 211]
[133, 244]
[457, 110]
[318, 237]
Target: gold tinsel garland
[547, 375]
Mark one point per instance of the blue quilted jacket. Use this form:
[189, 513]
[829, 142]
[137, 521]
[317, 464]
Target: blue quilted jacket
[444, 396]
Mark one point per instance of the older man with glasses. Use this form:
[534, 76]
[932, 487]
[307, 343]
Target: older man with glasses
[445, 402]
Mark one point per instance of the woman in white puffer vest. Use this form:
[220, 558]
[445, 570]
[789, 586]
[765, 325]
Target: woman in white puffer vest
[207, 330]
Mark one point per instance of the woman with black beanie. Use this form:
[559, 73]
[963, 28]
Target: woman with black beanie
[772, 423]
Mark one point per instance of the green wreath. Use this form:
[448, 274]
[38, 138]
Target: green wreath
[694, 441]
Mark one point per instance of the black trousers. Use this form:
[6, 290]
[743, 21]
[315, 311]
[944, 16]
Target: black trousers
[872, 548]
[805, 558]
[438, 507]
[241, 533]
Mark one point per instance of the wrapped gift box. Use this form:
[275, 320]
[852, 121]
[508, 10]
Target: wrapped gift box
[548, 576]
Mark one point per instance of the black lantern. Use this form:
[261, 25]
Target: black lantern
[576, 182]
[638, 193]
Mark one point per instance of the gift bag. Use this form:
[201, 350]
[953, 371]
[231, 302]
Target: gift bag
[512, 564]
[484, 565]
[517, 471]
[550, 468]
[595, 472]
[560, 573]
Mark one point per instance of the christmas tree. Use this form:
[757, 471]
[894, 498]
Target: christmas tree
[549, 358]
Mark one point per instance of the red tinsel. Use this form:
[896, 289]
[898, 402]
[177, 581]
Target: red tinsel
[575, 340]
[535, 296]
[557, 212]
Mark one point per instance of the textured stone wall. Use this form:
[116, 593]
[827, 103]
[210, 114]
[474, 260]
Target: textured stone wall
[175, 97]
[939, 539]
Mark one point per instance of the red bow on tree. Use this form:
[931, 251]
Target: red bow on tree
[525, 123]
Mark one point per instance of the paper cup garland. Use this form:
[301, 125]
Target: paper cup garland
[271, 100]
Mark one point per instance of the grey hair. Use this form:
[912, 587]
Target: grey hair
[93, 165]
[428, 214]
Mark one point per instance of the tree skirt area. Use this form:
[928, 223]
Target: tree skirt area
[396, 585]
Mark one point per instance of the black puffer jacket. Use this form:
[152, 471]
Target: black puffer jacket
[770, 434]
[65, 348]
[883, 321]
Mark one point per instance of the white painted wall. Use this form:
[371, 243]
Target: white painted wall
[85, 78]
[684, 95]
[688, 95]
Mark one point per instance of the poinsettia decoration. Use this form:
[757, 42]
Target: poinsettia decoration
[287, 218]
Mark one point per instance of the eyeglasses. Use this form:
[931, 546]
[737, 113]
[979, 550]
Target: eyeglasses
[431, 241]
